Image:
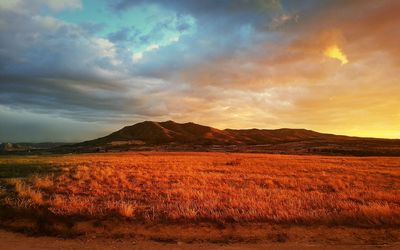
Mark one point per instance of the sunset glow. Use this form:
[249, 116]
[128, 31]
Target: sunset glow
[199, 124]
[74, 70]
[335, 53]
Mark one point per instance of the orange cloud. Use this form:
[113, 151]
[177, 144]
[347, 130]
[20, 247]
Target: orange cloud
[291, 84]
[336, 53]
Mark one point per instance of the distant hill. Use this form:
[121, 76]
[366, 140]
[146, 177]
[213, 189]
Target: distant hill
[173, 136]
[24, 148]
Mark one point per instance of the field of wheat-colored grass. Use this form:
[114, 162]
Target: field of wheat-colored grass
[153, 187]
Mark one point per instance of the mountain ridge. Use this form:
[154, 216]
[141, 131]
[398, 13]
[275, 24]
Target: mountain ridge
[170, 131]
[170, 135]
[173, 136]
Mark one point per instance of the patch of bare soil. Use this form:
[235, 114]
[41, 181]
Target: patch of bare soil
[125, 235]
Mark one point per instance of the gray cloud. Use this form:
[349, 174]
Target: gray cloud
[19, 125]
[205, 6]
[57, 68]
[126, 34]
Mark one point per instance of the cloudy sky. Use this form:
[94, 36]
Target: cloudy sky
[72, 70]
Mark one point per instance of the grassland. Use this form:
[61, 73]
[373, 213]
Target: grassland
[219, 189]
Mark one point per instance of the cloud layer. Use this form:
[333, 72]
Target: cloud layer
[104, 64]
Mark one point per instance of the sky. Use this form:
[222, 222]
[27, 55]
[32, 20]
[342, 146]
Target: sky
[72, 70]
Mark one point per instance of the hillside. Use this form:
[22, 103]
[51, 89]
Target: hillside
[171, 136]
[152, 133]
[169, 132]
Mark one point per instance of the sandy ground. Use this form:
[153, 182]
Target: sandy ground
[18, 241]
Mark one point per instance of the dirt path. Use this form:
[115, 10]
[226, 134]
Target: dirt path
[18, 241]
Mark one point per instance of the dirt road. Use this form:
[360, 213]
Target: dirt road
[16, 241]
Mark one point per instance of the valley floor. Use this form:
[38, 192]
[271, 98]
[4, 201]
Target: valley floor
[200, 200]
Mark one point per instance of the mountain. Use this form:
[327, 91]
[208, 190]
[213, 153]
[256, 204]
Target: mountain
[169, 135]
[153, 133]
[170, 132]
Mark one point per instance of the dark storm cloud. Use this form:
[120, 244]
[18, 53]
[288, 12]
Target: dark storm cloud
[61, 68]
[49, 66]
[81, 100]
[57, 93]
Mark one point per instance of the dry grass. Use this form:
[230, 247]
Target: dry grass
[23, 190]
[215, 187]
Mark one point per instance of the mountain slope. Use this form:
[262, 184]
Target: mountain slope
[170, 135]
[152, 133]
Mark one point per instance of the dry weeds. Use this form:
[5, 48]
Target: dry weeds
[215, 187]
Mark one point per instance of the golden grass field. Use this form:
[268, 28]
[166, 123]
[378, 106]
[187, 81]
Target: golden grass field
[215, 188]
